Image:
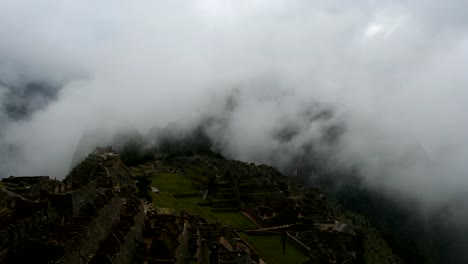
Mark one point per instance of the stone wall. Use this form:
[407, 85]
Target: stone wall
[45, 220]
[15, 233]
[125, 237]
[181, 252]
[132, 239]
[83, 196]
[79, 248]
[73, 201]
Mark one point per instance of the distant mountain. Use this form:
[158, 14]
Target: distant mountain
[21, 101]
[415, 239]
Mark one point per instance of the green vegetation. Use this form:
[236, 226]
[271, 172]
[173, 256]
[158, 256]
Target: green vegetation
[195, 142]
[198, 173]
[142, 170]
[174, 183]
[270, 249]
[19, 189]
[234, 219]
[164, 200]
[133, 154]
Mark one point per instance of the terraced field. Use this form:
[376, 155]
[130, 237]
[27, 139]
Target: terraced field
[178, 192]
[170, 184]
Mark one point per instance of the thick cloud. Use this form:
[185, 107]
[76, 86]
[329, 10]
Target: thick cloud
[391, 73]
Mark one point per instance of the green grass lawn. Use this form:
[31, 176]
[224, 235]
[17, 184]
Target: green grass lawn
[170, 183]
[140, 169]
[166, 200]
[270, 249]
[234, 219]
[198, 173]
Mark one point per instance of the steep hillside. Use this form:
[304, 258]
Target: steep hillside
[264, 206]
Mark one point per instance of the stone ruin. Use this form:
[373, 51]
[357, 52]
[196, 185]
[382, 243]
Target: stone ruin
[104, 166]
[87, 218]
[191, 239]
[93, 217]
[317, 225]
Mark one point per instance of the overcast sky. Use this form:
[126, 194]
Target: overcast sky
[393, 71]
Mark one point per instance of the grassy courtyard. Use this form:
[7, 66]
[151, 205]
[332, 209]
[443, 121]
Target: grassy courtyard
[270, 249]
[174, 183]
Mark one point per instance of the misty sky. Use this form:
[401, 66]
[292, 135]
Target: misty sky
[393, 71]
